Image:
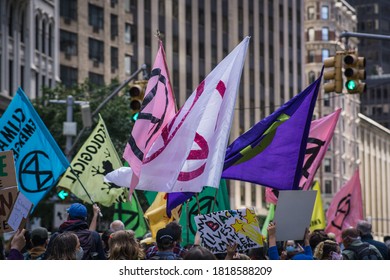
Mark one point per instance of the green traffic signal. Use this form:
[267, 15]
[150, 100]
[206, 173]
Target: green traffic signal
[351, 85]
[63, 194]
[134, 117]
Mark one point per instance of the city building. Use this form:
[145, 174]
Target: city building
[29, 47]
[374, 146]
[374, 19]
[324, 23]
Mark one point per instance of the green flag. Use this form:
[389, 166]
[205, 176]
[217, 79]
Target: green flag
[207, 204]
[269, 218]
[131, 214]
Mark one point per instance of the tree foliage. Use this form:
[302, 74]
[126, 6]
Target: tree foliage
[116, 113]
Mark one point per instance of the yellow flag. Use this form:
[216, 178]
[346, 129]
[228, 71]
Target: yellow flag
[157, 214]
[318, 216]
[95, 159]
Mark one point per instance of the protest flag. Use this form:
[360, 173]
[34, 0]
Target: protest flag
[318, 216]
[320, 135]
[157, 216]
[96, 158]
[271, 153]
[39, 162]
[207, 201]
[132, 215]
[190, 150]
[346, 207]
[158, 107]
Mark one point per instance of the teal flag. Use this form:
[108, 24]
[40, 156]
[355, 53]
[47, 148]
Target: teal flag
[207, 204]
[39, 162]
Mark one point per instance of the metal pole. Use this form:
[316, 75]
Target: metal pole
[105, 101]
[69, 118]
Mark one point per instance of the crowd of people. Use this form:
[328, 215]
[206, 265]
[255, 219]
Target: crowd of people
[78, 240]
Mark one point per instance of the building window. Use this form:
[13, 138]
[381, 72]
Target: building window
[310, 13]
[328, 186]
[68, 10]
[68, 75]
[127, 64]
[37, 32]
[325, 54]
[96, 79]
[95, 17]
[68, 43]
[114, 58]
[114, 26]
[130, 33]
[312, 77]
[324, 12]
[311, 56]
[327, 165]
[96, 50]
[50, 40]
[310, 33]
[325, 34]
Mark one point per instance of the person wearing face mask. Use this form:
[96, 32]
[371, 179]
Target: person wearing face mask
[66, 246]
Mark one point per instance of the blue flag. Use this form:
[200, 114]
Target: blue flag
[38, 160]
[271, 153]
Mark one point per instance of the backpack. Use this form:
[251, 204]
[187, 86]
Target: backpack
[364, 252]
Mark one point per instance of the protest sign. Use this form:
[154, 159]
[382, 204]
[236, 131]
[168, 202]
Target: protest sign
[293, 214]
[220, 229]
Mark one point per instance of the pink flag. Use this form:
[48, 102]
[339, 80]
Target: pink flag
[190, 152]
[346, 208]
[270, 196]
[321, 132]
[158, 108]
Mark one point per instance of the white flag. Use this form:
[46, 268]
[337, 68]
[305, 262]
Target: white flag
[190, 151]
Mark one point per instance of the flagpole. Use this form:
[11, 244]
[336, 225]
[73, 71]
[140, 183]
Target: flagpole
[82, 185]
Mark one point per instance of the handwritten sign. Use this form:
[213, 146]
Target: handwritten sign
[7, 170]
[19, 213]
[219, 229]
[7, 200]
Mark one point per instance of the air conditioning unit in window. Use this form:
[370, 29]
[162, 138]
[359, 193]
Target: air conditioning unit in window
[67, 20]
[68, 56]
[95, 29]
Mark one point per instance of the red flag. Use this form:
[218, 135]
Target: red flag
[346, 208]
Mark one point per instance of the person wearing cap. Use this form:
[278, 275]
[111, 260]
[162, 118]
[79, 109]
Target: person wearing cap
[39, 240]
[178, 250]
[90, 240]
[365, 230]
[165, 243]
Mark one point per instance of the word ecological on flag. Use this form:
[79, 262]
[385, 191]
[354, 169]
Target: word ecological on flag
[221, 229]
[38, 160]
[96, 158]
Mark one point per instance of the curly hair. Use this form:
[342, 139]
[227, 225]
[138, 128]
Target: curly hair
[124, 246]
[325, 248]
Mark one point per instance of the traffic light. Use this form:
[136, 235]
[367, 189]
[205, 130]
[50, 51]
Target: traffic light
[63, 194]
[136, 93]
[354, 71]
[334, 73]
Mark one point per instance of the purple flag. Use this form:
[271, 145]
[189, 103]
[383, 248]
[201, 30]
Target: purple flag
[271, 153]
[175, 199]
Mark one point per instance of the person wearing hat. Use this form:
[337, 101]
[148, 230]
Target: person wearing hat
[165, 239]
[365, 230]
[39, 240]
[90, 240]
